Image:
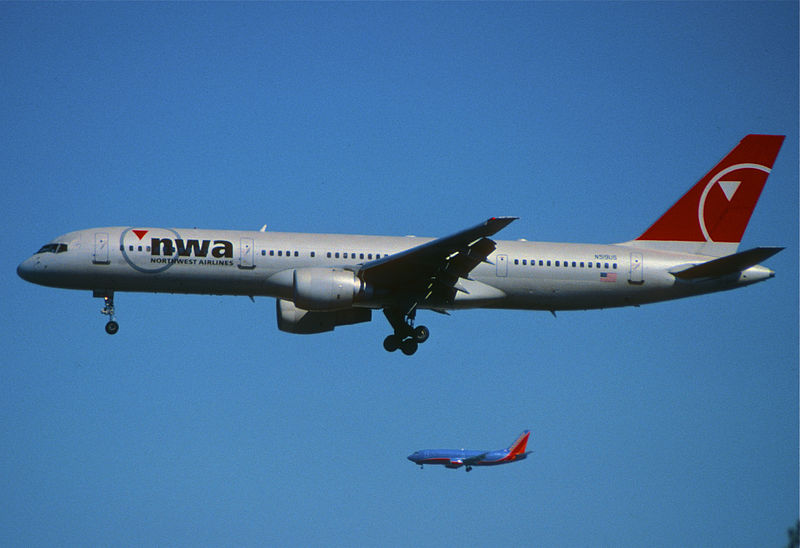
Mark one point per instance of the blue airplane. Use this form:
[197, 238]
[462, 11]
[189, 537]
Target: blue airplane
[456, 458]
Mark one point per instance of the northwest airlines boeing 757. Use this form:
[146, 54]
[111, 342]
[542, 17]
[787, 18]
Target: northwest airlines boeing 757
[321, 281]
[456, 458]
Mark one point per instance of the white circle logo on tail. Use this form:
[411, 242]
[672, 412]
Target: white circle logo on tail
[729, 187]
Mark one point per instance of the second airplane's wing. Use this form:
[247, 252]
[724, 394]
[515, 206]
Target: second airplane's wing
[475, 460]
[431, 271]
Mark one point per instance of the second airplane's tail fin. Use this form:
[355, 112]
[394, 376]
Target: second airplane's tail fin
[711, 218]
[518, 446]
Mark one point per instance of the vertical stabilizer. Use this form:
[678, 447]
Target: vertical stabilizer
[518, 446]
[711, 218]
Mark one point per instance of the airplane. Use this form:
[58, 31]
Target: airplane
[456, 458]
[322, 281]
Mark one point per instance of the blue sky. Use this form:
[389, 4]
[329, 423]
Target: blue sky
[200, 423]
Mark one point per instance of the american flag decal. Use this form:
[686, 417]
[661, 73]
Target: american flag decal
[608, 276]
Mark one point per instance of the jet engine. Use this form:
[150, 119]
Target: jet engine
[296, 320]
[326, 288]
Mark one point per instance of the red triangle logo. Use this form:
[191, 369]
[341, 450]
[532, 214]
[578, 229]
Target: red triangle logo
[140, 233]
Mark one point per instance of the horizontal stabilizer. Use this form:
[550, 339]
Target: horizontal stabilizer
[729, 264]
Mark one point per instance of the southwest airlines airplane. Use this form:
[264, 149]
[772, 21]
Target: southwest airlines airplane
[321, 281]
[455, 458]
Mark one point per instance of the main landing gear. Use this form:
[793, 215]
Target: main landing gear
[108, 310]
[406, 337]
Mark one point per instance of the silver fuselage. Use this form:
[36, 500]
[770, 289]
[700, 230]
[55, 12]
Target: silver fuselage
[517, 275]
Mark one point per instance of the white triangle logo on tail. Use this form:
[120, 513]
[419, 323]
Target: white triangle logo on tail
[729, 188]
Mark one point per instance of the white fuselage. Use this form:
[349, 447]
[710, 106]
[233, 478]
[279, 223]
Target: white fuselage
[518, 274]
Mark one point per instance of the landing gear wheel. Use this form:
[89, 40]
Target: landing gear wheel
[406, 337]
[421, 334]
[408, 346]
[108, 310]
[391, 343]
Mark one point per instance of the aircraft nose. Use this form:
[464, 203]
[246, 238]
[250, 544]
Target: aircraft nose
[33, 270]
[412, 457]
[25, 269]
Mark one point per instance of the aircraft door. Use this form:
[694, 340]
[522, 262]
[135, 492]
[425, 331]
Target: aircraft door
[502, 266]
[246, 253]
[636, 275]
[100, 254]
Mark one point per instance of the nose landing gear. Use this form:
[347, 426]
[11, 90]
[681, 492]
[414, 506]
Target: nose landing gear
[406, 337]
[108, 310]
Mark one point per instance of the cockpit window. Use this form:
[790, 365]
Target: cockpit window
[53, 248]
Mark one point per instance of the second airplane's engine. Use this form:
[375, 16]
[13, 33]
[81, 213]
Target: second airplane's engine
[326, 288]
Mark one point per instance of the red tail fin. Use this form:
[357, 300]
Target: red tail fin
[718, 208]
[519, 446]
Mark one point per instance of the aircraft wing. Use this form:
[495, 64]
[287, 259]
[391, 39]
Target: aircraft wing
[431, 271]
[475, 460]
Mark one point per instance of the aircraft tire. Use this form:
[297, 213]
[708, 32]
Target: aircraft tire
[409, 346]
[421, 334]
[112, 327]
[391, 343]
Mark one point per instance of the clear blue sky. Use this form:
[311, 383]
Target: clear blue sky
[200, 423]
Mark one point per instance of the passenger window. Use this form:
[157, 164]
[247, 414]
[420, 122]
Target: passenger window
[597, 265]
[280, 253]
[541, 262]
[344, 255]
[296, 253]
[548, 262]
[606, 266]
[574, 264]
[337, 254]
[516, 261]
[581, 264]
[524, 262]
[369, 256]
[140, 248]
[589, 265]
[615, 266]
[558, 263]
[313, 254]
[130, 248]
[329, 254]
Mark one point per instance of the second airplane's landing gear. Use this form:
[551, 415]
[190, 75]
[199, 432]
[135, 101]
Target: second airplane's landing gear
[406, 337]
[108, 310]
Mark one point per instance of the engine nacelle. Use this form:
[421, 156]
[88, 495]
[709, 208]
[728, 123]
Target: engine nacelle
[296, 320]
[325, 288]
